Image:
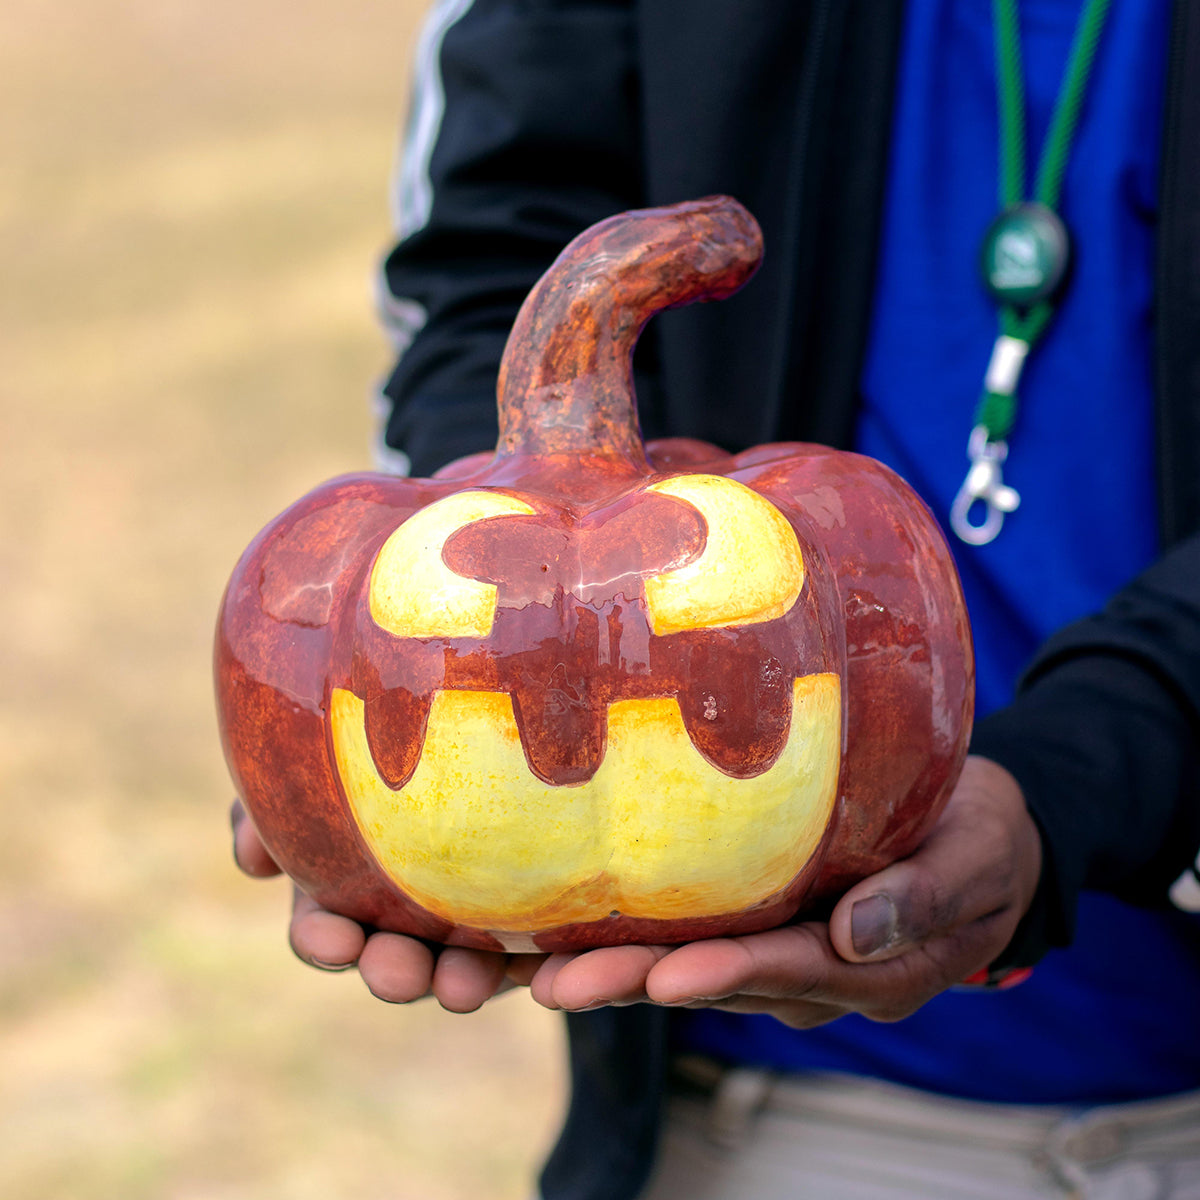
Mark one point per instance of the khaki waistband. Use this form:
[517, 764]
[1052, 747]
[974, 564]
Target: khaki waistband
[1092, 1134]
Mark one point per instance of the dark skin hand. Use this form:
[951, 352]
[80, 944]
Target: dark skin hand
[893, 941]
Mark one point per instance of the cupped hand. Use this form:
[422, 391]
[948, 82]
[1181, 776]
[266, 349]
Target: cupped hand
[893, 941]
[394, 967]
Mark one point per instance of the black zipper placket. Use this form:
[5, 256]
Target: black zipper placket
[1177, 291]
[789, 333]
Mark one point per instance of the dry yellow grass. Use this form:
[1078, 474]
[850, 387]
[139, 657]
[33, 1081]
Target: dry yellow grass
[192, 198]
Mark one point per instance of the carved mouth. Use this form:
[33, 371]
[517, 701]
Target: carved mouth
[657, 832]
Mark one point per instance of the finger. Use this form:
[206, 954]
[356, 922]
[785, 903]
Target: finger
[248, 850]
[983, 858]
[464, 980]
[795, 974]
[396, 968]
[523, 967]
[614, 975]
[799, 1014]
[789, 963]
[541, 986]
[321, 938]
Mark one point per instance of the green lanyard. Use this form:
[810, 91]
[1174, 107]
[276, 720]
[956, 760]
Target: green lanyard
[1024, 258]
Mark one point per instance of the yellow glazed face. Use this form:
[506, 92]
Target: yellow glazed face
[751, 569]
[476, 838]
[414, 594]
[656, 832]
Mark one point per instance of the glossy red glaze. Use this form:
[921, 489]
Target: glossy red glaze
[880, 605]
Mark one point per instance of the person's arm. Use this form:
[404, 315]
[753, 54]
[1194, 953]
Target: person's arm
[523, 132]
[1104, 739]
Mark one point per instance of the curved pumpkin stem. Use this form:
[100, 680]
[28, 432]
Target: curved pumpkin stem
[566, 380]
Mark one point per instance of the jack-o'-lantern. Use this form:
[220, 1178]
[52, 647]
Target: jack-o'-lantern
[584, 692]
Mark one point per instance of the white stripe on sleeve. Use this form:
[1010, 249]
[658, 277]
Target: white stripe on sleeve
[1185, 891]
[412, 203]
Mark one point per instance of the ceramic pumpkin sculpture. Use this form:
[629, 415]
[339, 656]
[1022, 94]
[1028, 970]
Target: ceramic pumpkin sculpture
[586, 692]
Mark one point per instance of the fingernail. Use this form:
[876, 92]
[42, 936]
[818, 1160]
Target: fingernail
[329, 966]
[872, 924]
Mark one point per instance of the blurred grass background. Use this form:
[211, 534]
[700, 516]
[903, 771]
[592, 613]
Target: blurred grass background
[192, 200]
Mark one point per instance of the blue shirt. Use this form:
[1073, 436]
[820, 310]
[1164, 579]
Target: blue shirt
[1113, 1018]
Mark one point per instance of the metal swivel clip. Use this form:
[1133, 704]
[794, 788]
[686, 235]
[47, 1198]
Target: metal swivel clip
[985, 485]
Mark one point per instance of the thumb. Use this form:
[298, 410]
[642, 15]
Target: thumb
[979, 866]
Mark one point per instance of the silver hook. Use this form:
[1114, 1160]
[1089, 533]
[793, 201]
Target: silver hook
[984, 484]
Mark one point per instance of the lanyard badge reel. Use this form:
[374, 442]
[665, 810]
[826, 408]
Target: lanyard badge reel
[1024, 261]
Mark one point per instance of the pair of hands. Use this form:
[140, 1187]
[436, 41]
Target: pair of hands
[892, 942]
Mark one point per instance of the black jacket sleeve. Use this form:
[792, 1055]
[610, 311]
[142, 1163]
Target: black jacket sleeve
[1104, 738]
[523, 132]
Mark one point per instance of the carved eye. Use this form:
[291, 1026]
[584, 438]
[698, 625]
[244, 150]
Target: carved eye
[750, 569]
[413, 593]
